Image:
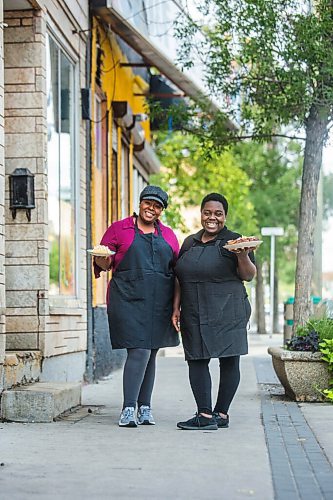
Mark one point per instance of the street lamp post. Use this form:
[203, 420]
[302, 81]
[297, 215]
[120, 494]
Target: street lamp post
[272, 232]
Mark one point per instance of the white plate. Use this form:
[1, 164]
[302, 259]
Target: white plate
[244, 244]
[95, 253]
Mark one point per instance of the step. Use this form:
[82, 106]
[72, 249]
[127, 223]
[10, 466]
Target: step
[39, 402]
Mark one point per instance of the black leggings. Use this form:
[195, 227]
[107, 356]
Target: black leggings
[139, 377]
[201, 383]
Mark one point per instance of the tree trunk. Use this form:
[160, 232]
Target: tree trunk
[260, 299]
[316, 287]
[316, 133]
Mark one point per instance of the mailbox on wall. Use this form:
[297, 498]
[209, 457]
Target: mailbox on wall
[22, 191]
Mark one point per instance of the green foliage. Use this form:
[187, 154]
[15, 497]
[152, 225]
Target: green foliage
[260, 181]
[275, 175]
[275, 172]
[326, 348]
[188, 175]
[323, 326]
[269, 64]
[54, 263]
[328, 393]
[273, 58]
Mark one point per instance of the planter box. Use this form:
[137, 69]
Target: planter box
[302, 374]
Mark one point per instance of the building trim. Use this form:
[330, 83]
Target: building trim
[151, 54]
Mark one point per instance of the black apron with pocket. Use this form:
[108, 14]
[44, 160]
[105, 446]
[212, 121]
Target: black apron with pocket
[215, 309]
[141, 295]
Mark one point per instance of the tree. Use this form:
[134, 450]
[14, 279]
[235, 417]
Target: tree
[188, 174]
[275, 173]
[251, 175]
[274, 61]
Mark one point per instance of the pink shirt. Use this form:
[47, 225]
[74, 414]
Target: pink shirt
[120, 235]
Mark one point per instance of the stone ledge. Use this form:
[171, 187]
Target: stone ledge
[39, 402]
[284, 354]
[21, 367]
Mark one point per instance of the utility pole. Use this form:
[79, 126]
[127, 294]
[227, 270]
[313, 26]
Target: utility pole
[272, 232]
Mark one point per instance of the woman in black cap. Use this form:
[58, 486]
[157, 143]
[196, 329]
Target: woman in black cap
[140, 297]
[214, 311]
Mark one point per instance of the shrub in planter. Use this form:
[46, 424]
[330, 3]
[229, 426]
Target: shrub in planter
[303, 365]
[322, 326]
[308, 342]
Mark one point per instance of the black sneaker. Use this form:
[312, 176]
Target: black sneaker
[199, 423]
[221, 422]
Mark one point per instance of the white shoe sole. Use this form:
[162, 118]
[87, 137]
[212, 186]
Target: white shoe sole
[129, 424]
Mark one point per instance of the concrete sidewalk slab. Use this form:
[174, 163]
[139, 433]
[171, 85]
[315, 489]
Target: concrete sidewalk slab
[92, 457]
[86, 455]
[319, 416]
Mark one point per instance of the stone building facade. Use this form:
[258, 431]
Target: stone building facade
[45, 44]
[89, 163]
[2, 201]
[73, 94]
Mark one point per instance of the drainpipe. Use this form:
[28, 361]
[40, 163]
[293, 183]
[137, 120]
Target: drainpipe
[89, 375]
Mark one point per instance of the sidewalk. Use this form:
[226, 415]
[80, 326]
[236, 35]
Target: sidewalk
[86, 455]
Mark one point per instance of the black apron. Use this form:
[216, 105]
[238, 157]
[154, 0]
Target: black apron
[141, 295]
[214, 306]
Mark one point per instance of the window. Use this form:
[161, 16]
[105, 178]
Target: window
[61, 170]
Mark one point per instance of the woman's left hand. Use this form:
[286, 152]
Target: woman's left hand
[175, 318]
[244, 251]
[245, 267]
[103, 262]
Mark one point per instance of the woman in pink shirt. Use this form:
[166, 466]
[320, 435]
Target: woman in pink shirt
[140, 298]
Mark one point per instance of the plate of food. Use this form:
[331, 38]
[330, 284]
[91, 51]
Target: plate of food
[243, 242]
[100, 251]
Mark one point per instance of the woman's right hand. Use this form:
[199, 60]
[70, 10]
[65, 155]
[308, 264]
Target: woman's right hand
[175, 318]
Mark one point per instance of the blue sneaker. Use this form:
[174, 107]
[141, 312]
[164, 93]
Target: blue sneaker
[145, 416]
[127, 417]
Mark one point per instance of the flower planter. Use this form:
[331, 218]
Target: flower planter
[301, 373]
